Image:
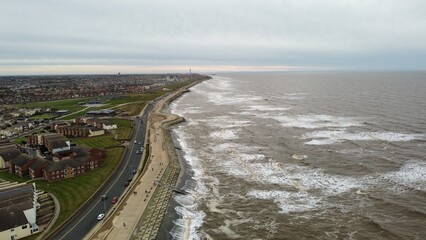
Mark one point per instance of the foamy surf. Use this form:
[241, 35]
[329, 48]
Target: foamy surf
[306, 160]
[332, 137]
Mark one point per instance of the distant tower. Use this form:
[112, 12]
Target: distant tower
[189, 70]
[119, 73]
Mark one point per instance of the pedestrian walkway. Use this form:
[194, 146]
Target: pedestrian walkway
[145, 202]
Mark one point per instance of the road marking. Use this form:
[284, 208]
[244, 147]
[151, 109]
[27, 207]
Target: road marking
[125, 167]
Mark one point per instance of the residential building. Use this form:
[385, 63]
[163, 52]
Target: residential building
[56, 143]
[20, 164]
[8, 153]
[35, 168]
[81, 161]
[18, 206]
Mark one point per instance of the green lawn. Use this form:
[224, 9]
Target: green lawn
[132, 108]
[128, 98]
[5, 175]
[78, 114]
[66, 104]
[122, 123]
[73, 192]
[43, 116]
[122, 133]
[103, 141]
[20, 139]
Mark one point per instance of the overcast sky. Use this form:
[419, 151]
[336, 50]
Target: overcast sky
[136, 36]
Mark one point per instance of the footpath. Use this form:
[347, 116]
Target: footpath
[139, 213]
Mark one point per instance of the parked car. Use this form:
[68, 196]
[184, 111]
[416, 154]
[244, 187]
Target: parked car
[114, 200]
[101, 216]
[134, 171]
[126, 183]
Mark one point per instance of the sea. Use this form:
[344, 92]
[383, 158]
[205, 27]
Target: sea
[303, 155]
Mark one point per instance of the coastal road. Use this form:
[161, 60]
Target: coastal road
[86, 219]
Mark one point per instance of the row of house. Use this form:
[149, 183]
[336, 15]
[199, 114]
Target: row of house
[61, 159]
[79, 131]
[96, 122]
[53, 142]
[85, 127]
[77, 161]
[74, 162]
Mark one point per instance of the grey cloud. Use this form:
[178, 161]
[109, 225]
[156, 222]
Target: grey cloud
[337, 34]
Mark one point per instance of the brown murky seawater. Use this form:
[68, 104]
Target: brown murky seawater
[304, 156]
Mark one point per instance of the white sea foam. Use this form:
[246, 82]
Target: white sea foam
[411, 175]
[223, 98]
[299, 157]
[188, 224]
[289, 201]
[332, 137]
[224, 134]
[323, 142]
[240, 163]
[225, 122]
[191, 218]
[251, 157]
[265, 108]
[316, 121]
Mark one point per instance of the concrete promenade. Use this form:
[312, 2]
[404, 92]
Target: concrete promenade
[139, 213]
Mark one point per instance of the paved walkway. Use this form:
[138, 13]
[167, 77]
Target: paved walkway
[123, 222]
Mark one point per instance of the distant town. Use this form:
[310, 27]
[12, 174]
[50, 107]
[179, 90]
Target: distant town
[17, 116]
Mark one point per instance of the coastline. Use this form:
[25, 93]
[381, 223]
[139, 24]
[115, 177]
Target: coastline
[171, 215]
[144, 213]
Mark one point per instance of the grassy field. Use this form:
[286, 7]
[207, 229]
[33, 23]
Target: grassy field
[122, 133]
[122, 123]
[128, 98]
[43, 116]
[75, 114]
[20, 139]
[98, 142]
[5, 175]
[66, 104]
[81, 113]
[132, 108]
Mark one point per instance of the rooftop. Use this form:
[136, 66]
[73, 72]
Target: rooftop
[13, 203]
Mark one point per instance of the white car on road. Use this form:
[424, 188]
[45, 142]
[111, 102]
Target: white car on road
[101, 216]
